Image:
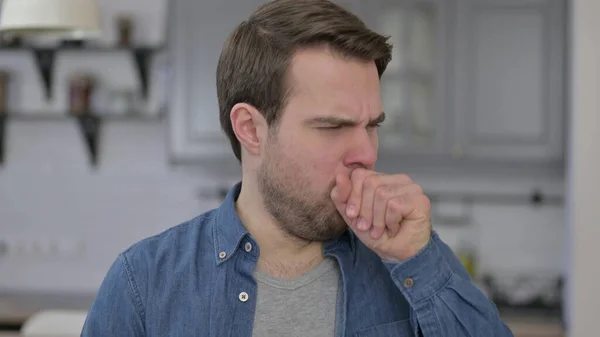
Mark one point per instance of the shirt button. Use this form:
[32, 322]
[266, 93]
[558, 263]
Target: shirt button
[243, 296]
[408, 282]
[248, 247]
[222, 255]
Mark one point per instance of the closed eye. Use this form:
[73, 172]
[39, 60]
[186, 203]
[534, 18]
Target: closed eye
[331, 127]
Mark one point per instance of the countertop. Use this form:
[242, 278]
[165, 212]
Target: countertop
[16, 307]
[534, 326]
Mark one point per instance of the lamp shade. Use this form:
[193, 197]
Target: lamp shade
[64, 18]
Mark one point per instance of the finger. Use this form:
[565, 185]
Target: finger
[418, 203]
[406, 209]
[396, 209]
[382, 195]
[340, 193]
[365, 216]
[353, 206]
[393, 226]
[412, 190]
[405, 188]
[341, 190]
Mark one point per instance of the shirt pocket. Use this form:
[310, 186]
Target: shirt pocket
[396, 329]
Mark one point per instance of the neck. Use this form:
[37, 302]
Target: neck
[281, 254]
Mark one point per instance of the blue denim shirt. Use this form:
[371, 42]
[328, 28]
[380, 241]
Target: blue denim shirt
[189, 281]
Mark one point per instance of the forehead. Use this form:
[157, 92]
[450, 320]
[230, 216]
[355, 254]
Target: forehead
[325, 82]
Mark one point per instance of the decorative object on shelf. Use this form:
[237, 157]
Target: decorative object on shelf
[125, 29]
[57, 18]
[81, 90]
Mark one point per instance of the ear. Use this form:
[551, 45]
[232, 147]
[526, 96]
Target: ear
[249, 126]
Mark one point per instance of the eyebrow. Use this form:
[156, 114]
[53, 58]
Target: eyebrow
[343, 121]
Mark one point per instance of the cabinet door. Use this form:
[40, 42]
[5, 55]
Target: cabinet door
[197, 31]
[412, 87]
[509, 72]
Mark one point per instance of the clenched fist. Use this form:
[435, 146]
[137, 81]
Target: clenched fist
[389, 213]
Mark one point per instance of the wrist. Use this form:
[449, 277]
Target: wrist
[407, 252]
[423, 275]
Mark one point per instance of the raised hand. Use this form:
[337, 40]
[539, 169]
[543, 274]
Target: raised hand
[389, 213]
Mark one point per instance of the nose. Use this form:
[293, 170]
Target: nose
[362, 150]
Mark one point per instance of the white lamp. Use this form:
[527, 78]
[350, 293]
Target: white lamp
[77, 19]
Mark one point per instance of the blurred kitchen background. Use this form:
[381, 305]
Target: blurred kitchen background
[106, 142]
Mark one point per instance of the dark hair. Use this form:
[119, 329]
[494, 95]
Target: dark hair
[253, 64]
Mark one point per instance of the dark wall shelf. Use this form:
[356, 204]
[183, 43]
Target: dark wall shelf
[89, 124]
[45, 56]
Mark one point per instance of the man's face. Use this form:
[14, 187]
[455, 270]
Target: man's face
[327, 127]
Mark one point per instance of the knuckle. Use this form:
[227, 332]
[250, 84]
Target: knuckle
[405, 179]
[425, 201]
[372, 181]
[394, 205]
[383, 192]
[417, 189]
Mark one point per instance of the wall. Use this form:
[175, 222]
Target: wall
[49, 196]
[584, 177]
[63, 222]
[52, 201]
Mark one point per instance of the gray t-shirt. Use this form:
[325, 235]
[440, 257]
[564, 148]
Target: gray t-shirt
[304, 306]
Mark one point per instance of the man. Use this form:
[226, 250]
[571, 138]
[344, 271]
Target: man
[313, 241]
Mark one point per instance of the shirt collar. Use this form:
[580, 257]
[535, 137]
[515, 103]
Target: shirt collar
[229, 231]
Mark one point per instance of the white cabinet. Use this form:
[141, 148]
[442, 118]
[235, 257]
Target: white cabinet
[412, 87]
[509, 80]
[197, 31]
[470, 80]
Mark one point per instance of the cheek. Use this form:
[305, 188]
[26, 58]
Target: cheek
[326, 166]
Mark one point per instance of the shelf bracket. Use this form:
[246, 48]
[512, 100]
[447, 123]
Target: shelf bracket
[90, 129]
[2, 136]
[141, 57]
[44, 58]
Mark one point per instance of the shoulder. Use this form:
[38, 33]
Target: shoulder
[154, 265]
[156, 259]
[173, 244]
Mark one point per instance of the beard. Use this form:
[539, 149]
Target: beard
[300, 211]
